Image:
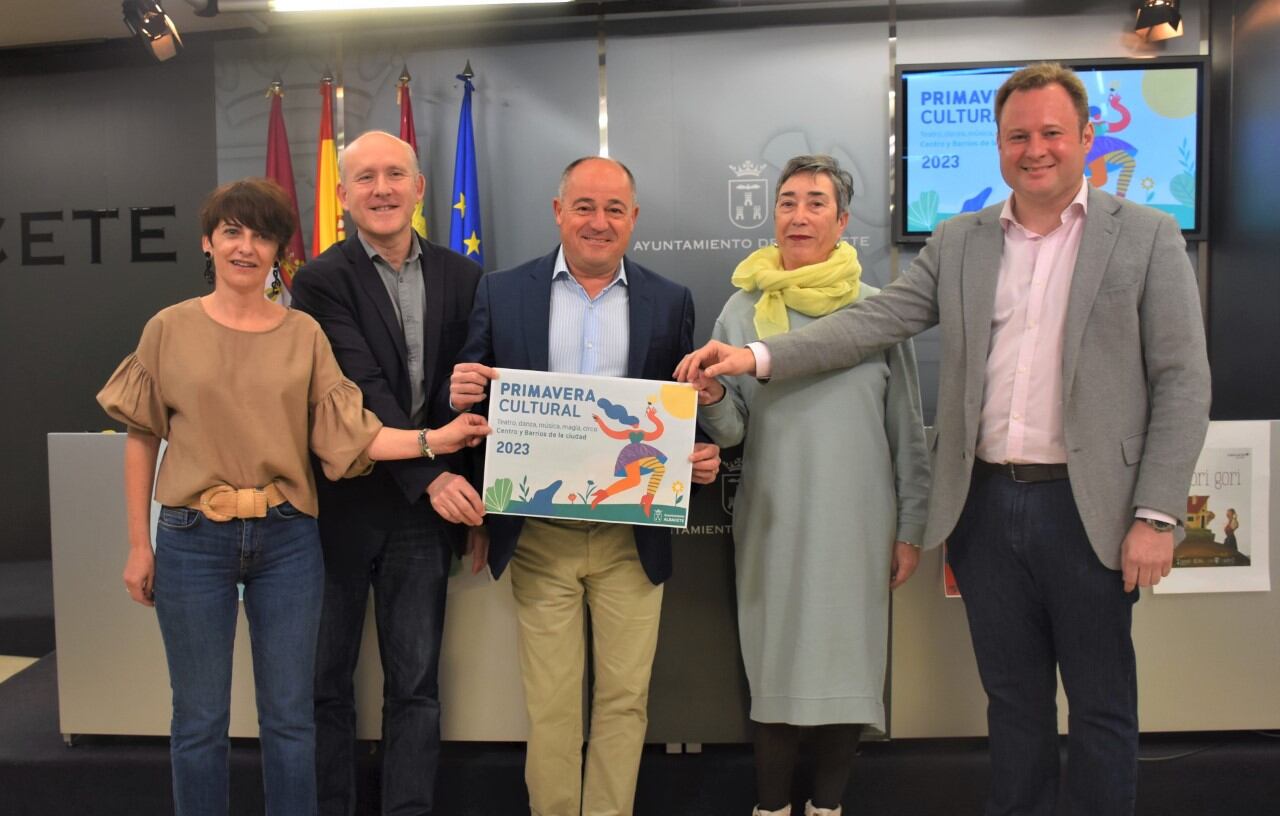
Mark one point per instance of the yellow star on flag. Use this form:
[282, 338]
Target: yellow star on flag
[473, 244]
[461, 206]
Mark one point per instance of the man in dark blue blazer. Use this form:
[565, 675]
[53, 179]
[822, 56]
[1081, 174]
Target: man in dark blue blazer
[394, 307]
[586, 309]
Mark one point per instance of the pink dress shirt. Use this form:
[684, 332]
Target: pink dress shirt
[1021, 417]
[1022, 400]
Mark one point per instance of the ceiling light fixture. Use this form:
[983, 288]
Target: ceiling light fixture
[148, 22]
[1158, 20]
[229, 6]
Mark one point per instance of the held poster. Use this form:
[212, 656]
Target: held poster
[572, 446]
[1227, 524]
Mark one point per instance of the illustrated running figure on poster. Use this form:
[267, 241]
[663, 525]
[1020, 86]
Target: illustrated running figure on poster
[638, 458]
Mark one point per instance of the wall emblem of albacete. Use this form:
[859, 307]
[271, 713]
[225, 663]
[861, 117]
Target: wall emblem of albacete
[748, 195]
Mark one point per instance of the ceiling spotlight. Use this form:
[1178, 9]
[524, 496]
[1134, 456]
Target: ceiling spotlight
[1158, 20]
[148, 22]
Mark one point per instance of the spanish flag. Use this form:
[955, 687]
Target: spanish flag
[328, 220]
[280, 170]
[410, 134]
[464, 220]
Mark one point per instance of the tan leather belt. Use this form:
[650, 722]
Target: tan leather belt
[224, 502]
[1024, 473]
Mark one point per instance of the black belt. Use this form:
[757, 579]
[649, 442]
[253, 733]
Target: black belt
[1023, 473]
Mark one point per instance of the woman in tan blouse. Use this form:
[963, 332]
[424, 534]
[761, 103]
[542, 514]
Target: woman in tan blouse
[243, 390]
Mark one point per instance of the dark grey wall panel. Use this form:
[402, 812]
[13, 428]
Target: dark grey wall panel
[690, 112]
[1244, 284]
[122, 134]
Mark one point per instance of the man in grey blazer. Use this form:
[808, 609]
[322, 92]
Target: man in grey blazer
[1073, 402]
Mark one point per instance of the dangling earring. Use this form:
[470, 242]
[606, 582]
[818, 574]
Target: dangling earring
[276, 290]
[208, 268]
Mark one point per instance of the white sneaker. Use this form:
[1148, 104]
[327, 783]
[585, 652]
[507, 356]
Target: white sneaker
[756, 811]
[810, 810]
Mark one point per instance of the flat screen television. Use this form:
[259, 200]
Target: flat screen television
[1150, 119]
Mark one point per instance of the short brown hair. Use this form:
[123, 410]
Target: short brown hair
[257, 203]
[1038, 76]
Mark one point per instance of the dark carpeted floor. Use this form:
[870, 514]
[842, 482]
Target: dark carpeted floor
[1232, 774]
[26, 608]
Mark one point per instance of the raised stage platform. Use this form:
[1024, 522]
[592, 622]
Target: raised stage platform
[26, 608]
[1211, 774]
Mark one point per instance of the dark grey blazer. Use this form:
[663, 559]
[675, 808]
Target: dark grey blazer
[1134, 369]
[341, 289]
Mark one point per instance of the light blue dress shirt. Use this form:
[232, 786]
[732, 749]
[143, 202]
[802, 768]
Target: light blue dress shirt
[588, 336]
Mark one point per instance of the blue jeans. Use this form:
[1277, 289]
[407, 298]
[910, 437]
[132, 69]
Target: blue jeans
[1037, 598]
[408, 568]
[198, 565]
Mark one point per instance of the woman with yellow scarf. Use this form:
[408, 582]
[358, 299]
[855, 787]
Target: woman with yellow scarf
[833, 496]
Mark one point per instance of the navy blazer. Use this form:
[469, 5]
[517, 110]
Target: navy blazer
[509, 328]
[342, 290]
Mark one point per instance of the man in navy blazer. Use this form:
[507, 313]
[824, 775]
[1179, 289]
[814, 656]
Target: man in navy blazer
[584, 308]
[394, 307]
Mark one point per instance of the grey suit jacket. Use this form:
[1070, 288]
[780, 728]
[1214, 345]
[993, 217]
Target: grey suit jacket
[1134, 369]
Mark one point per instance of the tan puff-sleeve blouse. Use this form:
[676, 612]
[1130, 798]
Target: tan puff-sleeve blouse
[240, 408]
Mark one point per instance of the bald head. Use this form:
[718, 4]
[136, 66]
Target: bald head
[376, 137]
[380, 189]
[573, 165]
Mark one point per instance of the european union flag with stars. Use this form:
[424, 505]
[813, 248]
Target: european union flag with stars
[464, 217]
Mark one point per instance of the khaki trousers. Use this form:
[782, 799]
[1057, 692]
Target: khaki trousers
[560, 570]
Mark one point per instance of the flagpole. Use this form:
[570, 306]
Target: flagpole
[464, 215]
[277, 288]
[409, 134]
[280, 169]
[328, 212]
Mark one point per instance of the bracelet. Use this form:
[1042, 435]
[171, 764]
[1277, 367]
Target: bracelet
[423, 447]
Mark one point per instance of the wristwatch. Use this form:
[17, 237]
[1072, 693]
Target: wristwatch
[1157, 525]
[423, 448]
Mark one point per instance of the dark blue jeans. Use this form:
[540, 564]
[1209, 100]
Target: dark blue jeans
[198, 565]
[408, 568]
[1037, 598]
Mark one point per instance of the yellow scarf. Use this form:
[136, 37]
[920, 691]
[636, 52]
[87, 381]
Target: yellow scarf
[815, 290]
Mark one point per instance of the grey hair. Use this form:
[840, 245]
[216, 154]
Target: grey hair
[821, 163]
[564, 177]
[408, 149]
